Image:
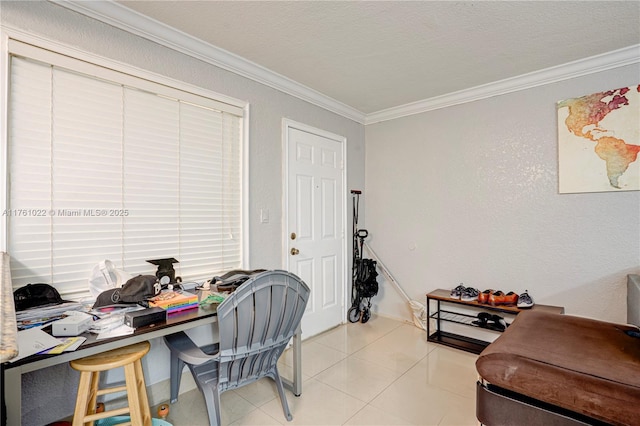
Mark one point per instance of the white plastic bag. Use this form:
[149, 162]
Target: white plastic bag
[105, 276]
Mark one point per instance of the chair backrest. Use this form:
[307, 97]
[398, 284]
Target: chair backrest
[255, 324]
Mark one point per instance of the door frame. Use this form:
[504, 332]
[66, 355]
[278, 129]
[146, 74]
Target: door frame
[290, 124]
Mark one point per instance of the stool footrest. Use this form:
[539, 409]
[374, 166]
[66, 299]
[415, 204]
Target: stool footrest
[135, 389]
[107, 391]
[106, 414]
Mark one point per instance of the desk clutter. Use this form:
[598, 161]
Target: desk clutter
[123, 310]
[122, 304]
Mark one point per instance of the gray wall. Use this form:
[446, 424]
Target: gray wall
[463, 194]
[469, 194]
[267, 109]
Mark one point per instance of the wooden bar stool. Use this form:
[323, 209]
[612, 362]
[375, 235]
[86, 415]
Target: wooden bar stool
[90, 367]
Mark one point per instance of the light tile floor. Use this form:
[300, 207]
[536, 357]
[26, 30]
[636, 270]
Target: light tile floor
[383, 372]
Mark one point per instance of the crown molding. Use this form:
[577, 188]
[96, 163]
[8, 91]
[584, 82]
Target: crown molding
[121, 17]
[133, 22]
[617, 58]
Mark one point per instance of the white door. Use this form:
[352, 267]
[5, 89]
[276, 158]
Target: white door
[315, 218]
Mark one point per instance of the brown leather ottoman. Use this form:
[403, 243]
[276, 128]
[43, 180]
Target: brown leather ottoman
[579, 365]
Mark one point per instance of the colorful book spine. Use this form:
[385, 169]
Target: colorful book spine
[182, 308]
[177, 301]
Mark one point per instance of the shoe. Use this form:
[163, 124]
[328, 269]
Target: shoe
[497, 323]
[495, 298]
[510, 299]
[525, 301]
[484, 296]
[469, 294]
[456, 293]
[492, 322]
[482, 321]
[499, 320]
[499, 298]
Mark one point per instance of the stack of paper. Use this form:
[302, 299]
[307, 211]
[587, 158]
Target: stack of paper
[32, 341]
[43, 315]
[174, 301]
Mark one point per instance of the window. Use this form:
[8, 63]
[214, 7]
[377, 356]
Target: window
[106, 165]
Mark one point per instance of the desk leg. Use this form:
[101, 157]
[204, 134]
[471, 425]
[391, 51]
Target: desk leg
[297, 362]
[13, 398]
[296, 385]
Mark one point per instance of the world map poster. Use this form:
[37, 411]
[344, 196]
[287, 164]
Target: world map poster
[599, 142]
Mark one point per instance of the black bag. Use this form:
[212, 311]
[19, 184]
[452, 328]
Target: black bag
[366, 274]
[233, 279]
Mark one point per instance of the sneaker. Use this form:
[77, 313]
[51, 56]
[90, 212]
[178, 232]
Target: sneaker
[499, 298]
[510, 299]
[484, 296]
[456, 293]
[525, 301]
[495, 298]
[469, 294]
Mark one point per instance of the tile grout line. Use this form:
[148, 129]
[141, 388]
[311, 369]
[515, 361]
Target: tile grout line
[368, 403]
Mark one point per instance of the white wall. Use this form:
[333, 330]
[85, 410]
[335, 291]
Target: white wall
[474, 188]
[268, 108]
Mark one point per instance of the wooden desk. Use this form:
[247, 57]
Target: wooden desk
[179, 322]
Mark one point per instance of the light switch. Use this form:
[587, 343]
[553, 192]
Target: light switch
[264, 215]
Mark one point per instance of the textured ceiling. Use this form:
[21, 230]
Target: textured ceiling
[374, 55]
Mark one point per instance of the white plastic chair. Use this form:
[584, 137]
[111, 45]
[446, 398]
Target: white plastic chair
[255, 324]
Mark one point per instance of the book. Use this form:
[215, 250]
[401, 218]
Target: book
[174, 300]
[182, 308]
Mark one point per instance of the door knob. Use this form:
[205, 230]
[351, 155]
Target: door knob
[294, 251]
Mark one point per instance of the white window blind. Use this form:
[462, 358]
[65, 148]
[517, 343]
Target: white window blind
[103, 168]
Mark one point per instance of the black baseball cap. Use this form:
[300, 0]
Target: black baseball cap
[135, 290]
[35, 296]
